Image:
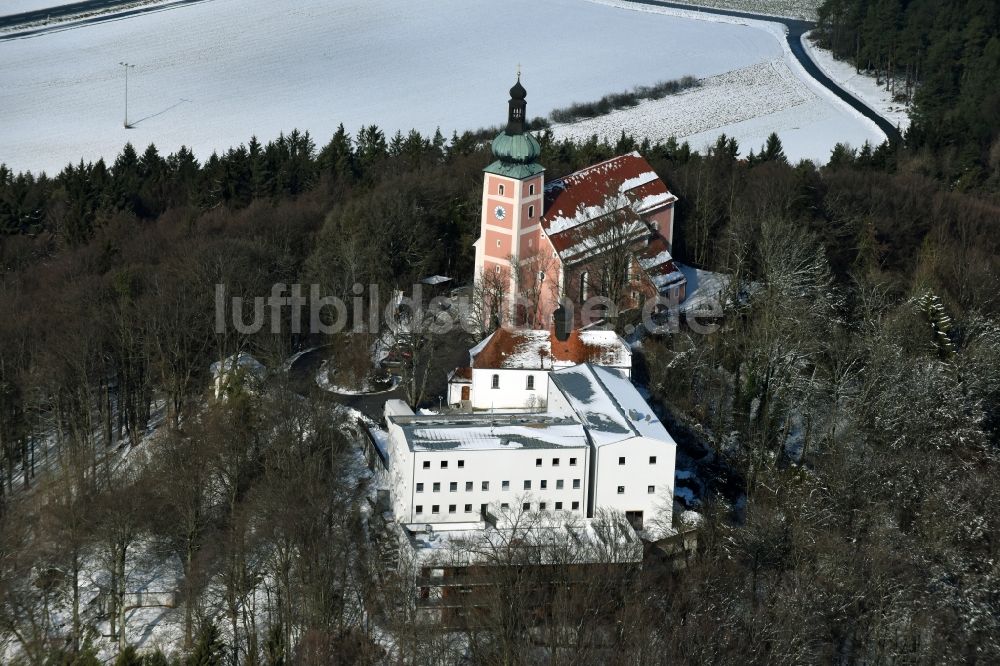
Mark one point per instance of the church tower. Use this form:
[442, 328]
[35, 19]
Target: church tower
[513, 198]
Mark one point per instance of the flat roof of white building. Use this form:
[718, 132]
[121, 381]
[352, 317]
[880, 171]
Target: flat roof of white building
[473, 432]
[608, 404]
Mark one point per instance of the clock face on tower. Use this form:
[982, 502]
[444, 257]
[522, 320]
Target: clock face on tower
[499, 212]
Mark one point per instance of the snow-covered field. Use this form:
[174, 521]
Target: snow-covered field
[8, 7]
[862, 86]
[803, 9]
[209, 75]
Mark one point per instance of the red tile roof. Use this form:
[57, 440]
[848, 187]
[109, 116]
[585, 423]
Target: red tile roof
[584, 195]
[540, 349]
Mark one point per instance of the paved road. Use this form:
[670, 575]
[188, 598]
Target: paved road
[75, 9]
[796, 28]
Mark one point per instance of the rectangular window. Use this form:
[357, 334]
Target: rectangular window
[427, 464]
[505, 485]
[461, 464]
[621, 460]
[531, 383]
[436, 508]
[652, 460]
[541, 507]
[444, 464]
[531, 211]
[468, 486]
[452, 508]
[526, 506]
[559, 484]
[486, 485]
[468, 508]
[527, 485]
[621, 490]
[531, 190]
[483, 508]
[420, 487]
[572, 462]
[504, 506]
[545, 484]
[437, 487]
[500, 189]
[576, 484]
[558, 506]
[420, 508]
[453, 486]
[651, 489]
[576, 506]
[496, 381]
[555, 462]
[538, 462]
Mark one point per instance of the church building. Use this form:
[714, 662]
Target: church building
[605, 231]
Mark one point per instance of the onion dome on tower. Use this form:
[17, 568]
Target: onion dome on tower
[515, 150]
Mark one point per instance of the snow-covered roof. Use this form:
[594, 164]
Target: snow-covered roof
[626, 180]
[659, 265]
[471, 432]
[533, 350]
[243, 361]
[608, 404]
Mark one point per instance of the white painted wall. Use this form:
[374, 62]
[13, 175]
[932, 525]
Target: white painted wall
[635, 476]
[515, 465]
[513, 392]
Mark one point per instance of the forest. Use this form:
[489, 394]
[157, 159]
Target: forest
[844, 419]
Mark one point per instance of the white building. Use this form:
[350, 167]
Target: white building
[598, 446]
[508, 370]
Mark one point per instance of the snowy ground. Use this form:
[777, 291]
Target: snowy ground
[802, 9]
[8, 7]
[748, 103]
[209, 75]
[862, 86]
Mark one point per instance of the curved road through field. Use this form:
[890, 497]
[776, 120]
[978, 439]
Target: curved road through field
[796, 28]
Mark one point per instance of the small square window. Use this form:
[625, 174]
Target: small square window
[452, 508]
[621, 490]
[541, 506]
[651, 489]
[468, 508]
[555, 462]
[526, 506]
[527, 485]
[504, 506]
[538, 462]
[559, 484]
[436, 508]
[468, 485]
[576, 484]
[437, 487]
[427, 464]
[453, 486]
[420, 487]
[444, 464]
[572, 462]
[652, 460]
[486, 485]
[420, 508]
[461, 464]
[545, 484]
[576, 506]
[558, 506]
[621, 460]
[505, 485]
